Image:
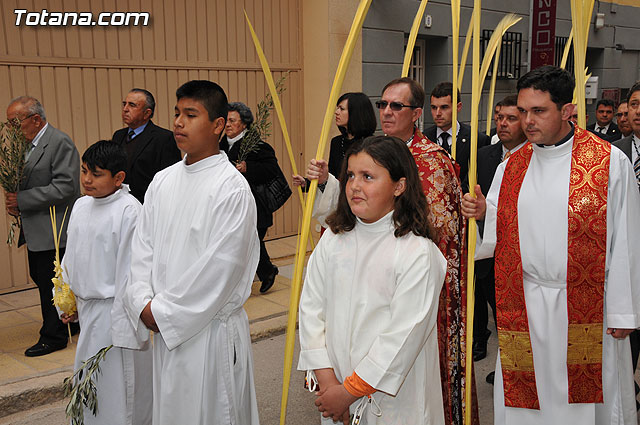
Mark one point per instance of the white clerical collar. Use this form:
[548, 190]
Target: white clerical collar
[232, 140]
[36, 139]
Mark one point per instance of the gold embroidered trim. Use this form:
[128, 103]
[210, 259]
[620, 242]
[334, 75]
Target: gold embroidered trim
[515, 350]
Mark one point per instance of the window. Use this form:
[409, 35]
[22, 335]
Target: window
[416, 69]
[510, 54]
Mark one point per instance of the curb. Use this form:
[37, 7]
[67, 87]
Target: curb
[33, 392]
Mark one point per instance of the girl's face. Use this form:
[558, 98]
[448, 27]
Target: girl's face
[370, 191]
[342, 113]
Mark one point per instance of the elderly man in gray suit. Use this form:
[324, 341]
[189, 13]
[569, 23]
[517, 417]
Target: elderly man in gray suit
[51, 178]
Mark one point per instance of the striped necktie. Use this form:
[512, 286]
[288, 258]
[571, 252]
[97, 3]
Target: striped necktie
[636, 169]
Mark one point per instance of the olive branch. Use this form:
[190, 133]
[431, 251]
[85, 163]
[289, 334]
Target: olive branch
[13, 150]
[81, 387]
[261, 127]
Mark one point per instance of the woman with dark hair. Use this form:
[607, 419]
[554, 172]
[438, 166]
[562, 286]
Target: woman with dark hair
[259, 167]
[356, 120]
[369, 303]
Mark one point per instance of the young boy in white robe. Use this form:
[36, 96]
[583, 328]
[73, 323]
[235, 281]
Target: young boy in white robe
[370, 299]
[195, 252]
[96, 266]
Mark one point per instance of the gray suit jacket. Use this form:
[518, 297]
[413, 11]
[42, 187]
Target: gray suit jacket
[51, 178]
[624, 145]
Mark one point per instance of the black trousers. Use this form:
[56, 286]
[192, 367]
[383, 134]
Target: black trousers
[485, 293]
[265, 267]
[634, 339]
[53, 331]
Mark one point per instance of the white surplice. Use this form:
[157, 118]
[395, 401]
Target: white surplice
[543, 229]
[96, 267]
[195, 252]
[369, 304]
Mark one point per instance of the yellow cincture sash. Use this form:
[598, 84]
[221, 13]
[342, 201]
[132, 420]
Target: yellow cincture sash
[587, 237]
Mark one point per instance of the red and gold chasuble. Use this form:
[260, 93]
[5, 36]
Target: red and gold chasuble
[441, 186]
[587, 238]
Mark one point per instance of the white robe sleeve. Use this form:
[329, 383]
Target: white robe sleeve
[123, 332]
[414, 308]
[313, 345]
[622, 295]
[220, 276]
[326, 201]
[139, 291]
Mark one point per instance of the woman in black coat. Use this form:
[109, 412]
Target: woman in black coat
[355, 120]
[259, 167]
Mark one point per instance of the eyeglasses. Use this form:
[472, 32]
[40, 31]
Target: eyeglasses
[395, 106]
[15, 122]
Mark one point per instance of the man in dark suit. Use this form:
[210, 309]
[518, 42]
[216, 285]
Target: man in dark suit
[149, 148]
[512, 138]
[442, 111]
[604, 127]
[622, 119]
[51, 178]
[630, 145]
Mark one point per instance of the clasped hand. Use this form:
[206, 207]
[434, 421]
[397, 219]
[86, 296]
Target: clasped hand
[147, 318]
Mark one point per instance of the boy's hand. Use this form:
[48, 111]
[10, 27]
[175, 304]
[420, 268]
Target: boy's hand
[474, 207]
[318, 169]
[241, 166]
[334, 402]
[68, 319]
[147, 318]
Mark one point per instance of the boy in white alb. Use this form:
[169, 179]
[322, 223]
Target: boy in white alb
[195, 252]
[96, 266]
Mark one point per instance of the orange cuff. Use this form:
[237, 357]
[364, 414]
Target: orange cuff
[357, 387]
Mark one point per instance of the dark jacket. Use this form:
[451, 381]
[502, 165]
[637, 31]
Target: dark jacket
[155, 149]
[262, 167]
[463, 148]
[613, 132]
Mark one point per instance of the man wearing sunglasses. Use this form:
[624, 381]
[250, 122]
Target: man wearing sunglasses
[440, 133]
[400, 107]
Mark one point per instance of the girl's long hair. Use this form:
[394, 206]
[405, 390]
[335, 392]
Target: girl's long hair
[410, 208]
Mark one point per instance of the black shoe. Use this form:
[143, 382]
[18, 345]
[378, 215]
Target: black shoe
[480, 346]
[491, 377]
[269, 281]
[41, 348]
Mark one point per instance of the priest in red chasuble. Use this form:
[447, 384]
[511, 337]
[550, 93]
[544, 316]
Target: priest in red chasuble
[562, 217]
[400, 106]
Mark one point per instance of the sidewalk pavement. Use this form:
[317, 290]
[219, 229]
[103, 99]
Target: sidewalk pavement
[27, 382]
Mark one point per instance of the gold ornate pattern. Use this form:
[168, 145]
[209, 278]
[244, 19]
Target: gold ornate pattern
[442, 188]
[516, 353]
[587, 242]
[587, 237]
[517, 350]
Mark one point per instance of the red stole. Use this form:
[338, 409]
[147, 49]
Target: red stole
[441, 186]
[587, 237]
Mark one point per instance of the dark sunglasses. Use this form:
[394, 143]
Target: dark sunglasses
[395, 106]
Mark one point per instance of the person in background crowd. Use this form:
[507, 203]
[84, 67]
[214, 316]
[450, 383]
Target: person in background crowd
[604, 127]
[51, 178]
[259, 167]
[149, 148]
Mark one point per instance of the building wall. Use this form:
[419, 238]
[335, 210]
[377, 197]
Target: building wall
[388, 24]
[81, 74]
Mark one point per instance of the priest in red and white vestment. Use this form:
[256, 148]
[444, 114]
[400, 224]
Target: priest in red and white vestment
[562, 217]
[400, 107]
